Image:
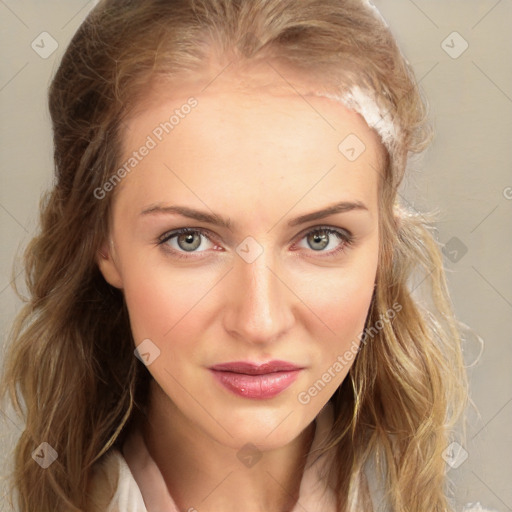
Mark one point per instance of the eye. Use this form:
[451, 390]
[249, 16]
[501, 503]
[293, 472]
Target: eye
[189, 240]
[186, 240]
[320, 238]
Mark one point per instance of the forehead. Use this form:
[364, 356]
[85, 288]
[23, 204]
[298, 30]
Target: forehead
[261, 91]
[245, 137]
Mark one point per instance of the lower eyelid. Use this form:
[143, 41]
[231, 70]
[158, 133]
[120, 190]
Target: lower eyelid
[345, 237]
[172, 235]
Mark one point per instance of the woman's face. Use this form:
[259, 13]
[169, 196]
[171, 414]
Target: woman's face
[279, 283]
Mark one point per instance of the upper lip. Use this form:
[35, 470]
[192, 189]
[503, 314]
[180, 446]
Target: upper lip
[249, 368]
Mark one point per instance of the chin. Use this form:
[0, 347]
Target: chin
[266, 428]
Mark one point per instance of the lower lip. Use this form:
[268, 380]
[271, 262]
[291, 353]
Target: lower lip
[256, 386]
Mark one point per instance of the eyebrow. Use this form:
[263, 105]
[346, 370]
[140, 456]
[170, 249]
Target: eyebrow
[217, 220]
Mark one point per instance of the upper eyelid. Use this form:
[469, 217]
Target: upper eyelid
[173, 232]
[205, 232]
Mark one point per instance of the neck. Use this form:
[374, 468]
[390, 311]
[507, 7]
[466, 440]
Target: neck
[200, 473]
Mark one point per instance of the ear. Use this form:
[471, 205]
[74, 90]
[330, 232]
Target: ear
[108, 267]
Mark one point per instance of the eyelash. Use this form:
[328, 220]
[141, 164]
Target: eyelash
[345, 236]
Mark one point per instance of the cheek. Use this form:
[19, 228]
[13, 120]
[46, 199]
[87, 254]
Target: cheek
[345, 313]
[157, 298]
[168, 305]
[341, 299]
[341, 305]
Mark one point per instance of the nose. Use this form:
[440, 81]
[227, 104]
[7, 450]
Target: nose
[260, 305]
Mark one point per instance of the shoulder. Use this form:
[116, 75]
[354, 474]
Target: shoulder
[112, 487]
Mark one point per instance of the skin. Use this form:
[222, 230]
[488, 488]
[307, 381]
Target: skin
[260, 156]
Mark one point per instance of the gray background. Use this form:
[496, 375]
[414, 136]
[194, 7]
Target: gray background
[466, 174]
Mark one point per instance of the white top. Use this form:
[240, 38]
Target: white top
[131, 481]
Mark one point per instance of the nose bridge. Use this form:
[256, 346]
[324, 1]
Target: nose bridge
[259, 308]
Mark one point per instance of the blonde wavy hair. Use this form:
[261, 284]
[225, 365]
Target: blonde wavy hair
[70, 370]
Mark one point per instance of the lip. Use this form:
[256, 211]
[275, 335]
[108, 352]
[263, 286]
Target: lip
[251, 380]
[256, 369]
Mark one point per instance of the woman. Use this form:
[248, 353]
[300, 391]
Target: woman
[220, 312]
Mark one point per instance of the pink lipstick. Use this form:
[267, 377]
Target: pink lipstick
[259, 381]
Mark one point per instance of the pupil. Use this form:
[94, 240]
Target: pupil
[319, 239]
[189, 237]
